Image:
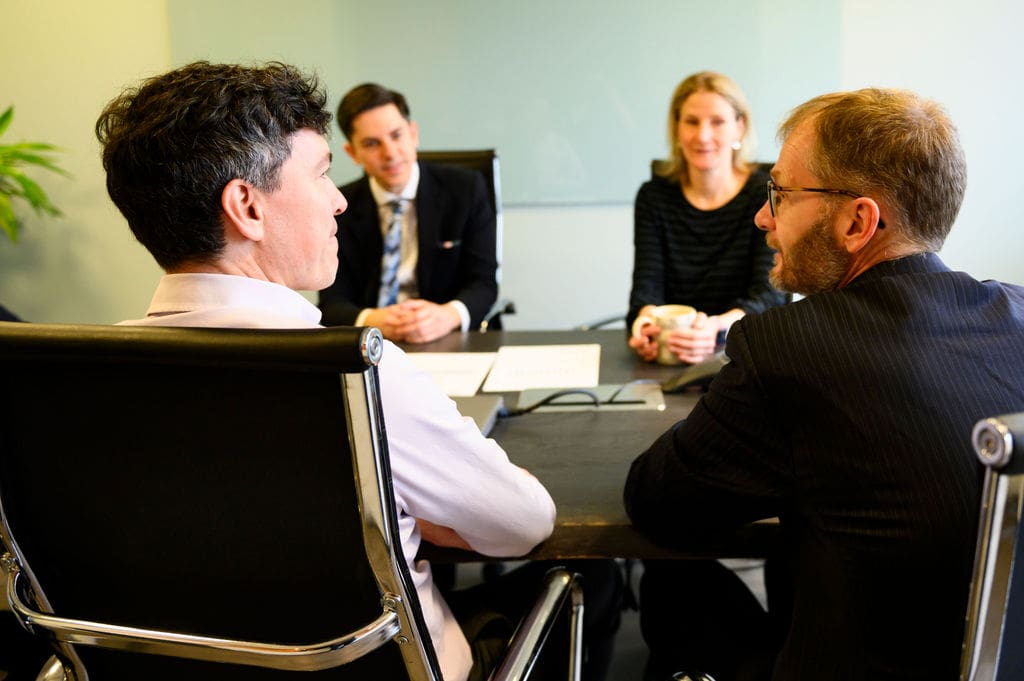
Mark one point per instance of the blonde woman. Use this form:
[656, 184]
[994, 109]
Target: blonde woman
[694, 235]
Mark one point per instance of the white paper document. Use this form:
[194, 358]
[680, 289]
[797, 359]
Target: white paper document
[457, 374]
[521, 367]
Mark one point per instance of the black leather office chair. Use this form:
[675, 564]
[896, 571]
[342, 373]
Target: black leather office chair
[485, 162]
[995, 614]
[995, 611]
[211, 504]
[7, 316]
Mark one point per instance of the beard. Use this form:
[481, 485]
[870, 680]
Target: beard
[813, 264]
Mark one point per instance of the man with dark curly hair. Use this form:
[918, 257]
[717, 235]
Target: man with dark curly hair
[221, 171]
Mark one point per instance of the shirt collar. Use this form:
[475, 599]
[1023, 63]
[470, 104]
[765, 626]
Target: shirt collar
[383, 197]
[205, 292]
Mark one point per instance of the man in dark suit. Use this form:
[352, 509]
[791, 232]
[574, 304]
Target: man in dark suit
[417, 244]
[847, 414]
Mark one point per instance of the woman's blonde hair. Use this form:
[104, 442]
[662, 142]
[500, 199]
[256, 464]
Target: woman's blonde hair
[675, 168]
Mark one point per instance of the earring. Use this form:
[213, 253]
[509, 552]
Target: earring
[736, 145]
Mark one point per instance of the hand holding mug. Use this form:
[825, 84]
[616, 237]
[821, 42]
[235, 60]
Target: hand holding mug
[646, 343]
[696, 343]
[658, 323]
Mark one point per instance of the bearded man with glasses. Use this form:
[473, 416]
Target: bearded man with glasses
[848, 414]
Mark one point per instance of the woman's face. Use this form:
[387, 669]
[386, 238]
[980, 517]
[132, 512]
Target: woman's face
[706, 131]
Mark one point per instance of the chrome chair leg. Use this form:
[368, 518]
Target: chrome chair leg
[576, 632]
[53, 670]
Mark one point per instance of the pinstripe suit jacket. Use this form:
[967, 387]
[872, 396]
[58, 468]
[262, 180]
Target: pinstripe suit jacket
[848, 415]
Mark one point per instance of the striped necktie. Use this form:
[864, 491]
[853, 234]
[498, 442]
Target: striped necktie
[392, 255]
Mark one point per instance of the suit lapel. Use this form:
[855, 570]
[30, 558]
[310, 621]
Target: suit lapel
[360, 237]
[363, 221]
[428, 216]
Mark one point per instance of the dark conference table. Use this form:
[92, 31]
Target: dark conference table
[583, 457]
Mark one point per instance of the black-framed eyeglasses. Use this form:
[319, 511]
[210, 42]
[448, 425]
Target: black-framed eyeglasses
[774, 189]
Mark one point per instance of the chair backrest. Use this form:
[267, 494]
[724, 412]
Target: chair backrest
[7, 316]
[995, 614]
[484, 161]
[221, 483]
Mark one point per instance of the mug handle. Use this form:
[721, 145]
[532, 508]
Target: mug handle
[639, 323]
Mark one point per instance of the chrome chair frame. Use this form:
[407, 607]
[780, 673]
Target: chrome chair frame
[999, 444]
[560, 589]
[601, 322]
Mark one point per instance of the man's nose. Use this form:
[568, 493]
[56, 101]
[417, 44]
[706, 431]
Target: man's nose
[763, 219]
[341, 204]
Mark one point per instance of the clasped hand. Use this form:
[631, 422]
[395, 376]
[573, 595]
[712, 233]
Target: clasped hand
[691, 345]
[414, 321]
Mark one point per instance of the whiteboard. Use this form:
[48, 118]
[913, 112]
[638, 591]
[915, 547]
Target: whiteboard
[573, 94]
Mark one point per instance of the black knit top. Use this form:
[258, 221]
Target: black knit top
[714, 260]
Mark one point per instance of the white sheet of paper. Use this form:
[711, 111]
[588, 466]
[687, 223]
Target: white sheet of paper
[457, 374]
[520, 367]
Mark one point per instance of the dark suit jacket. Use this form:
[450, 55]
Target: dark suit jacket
[457, 259]
[849, 415]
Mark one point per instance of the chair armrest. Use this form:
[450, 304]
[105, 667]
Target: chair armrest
[999, 442]
[302, 657]
[560, 586]
[501, 306]
[600, 322]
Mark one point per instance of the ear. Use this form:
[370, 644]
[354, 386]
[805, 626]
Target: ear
[242, 209]
[414, 131]
[351, 153]
[859, 224]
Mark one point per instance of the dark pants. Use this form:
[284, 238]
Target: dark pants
[698, 616]
[489, 612]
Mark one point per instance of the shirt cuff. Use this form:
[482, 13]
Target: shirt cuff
[463, 311]
[362, 317]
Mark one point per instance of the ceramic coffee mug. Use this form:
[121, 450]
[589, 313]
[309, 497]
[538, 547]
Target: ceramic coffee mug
[668, 318]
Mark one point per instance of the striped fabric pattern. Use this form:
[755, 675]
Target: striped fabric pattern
[713, 260]
[848, 414]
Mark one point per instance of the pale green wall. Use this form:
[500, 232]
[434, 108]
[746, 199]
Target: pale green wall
[563, 264]
[63, 60]
[966, 55]
[553, 86]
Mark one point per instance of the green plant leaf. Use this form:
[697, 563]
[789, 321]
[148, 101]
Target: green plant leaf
[13, 182]
[33, 159]
[8, 223]
[35, 146]
[5, 118]
[35, 195]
